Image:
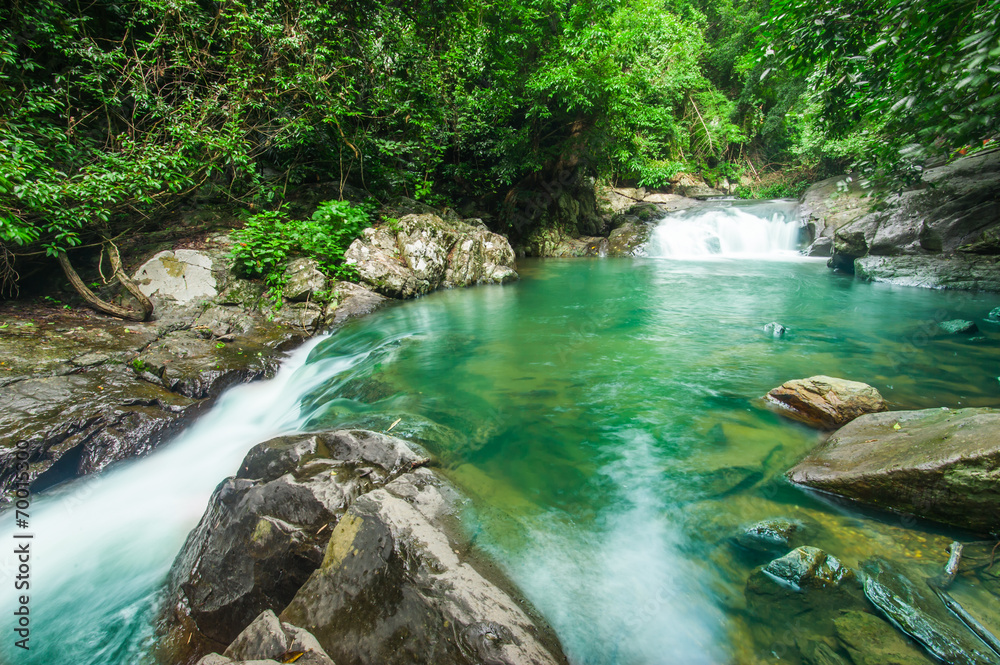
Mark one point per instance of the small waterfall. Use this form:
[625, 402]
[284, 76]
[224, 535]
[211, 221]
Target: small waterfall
[731, 229]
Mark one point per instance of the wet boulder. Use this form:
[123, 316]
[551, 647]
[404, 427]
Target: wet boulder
[916, 610]
[825, 402]
[268, 640]
[629, 238]
[353, 301]
[266, 529]
[794, 599]
[393, 589]
[187, 362]
[939, 464]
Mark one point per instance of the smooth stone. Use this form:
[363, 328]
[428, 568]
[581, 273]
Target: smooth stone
[994, 315]
[183, 275]
[824, 401]
[918, 613]
[808, 567]
[942, 465]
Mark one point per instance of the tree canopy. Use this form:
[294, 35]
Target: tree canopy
[111, 112]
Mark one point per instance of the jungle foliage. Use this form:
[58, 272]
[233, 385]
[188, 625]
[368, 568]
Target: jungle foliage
[112, 112]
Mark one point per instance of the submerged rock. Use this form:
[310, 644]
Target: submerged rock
[938, 464]
[808, 567]
[769, 535]
[959, 326]
[994, 315]
[775, 329]
[421, 253]
[871, 641]
[920, 614]
[793, 601]
[393, 589]
[825, 402]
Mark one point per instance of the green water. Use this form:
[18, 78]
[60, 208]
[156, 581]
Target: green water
[603, 416]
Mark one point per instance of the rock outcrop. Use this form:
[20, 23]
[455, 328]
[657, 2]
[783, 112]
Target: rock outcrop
[83, 391]
[75, 424]
[265, 530]
[824, 401]
[393, 589]
[938, 464]
[945, 234]
[267, 640]
[421, 253]
[829, 205]
[358, 541]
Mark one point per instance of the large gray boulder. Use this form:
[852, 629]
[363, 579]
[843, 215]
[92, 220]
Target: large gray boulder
[831, 204]
[825, 401]
[952, 221]
[182, 275]
[266, 529]
[393, 590]
[939, 464]
[421, 253]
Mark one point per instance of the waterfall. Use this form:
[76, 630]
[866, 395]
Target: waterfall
[730, 229]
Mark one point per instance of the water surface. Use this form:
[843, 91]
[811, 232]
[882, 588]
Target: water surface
[602, 415]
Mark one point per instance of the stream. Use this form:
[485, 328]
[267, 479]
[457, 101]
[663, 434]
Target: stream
[603, 417]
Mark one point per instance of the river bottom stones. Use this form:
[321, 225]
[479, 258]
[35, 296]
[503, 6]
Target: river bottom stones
[923, 617]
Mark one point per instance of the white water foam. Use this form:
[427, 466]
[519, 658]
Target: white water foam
[759, 230]
[103, 545]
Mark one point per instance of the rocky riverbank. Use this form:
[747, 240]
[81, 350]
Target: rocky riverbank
[82, 391]
[943, 233]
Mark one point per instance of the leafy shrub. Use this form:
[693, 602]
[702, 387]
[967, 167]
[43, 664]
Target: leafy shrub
[270, 238]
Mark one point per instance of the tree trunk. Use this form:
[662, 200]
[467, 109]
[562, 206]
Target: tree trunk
[101, 305]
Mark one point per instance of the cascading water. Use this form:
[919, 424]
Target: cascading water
[758, 229]
[103, 545]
